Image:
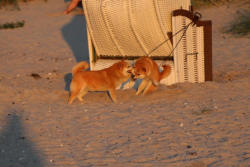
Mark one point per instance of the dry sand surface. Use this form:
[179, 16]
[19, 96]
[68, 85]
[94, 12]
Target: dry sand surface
[183, 125]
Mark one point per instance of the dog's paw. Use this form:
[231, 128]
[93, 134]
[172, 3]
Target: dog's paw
[138, 93]
[129, 85]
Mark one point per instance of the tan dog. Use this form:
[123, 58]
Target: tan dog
[147, 69]
[107, 79]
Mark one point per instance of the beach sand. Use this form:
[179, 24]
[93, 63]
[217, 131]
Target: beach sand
[182, 125]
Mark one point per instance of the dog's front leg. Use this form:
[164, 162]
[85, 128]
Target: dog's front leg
[129, 85]
[150, 87]
[142, 86]
[112, 95]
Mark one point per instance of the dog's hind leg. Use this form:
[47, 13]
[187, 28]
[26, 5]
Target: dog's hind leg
[112, 95]
[74, 91]
[72, 97]
[82, 93]
[142, 86]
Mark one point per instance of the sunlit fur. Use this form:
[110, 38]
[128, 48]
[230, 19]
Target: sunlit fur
[147, 69]
[107, 79]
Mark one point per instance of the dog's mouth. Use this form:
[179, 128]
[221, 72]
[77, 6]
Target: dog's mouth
[133, 77]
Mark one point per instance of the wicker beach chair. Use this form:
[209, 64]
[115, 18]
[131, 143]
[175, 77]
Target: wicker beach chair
[129, 29]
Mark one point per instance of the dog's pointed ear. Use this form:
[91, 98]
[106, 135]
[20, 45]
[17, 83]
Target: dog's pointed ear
[119, 65]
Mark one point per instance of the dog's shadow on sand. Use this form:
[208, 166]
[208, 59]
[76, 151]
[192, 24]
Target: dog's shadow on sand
[75, 34]
[67, 80]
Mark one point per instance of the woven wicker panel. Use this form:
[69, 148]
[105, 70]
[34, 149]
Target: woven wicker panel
[164, 9]
[146, 27]
[131, 27]
[98, 30]
[116, 13]
[189, 54]
[201, 55]
[101, 64]
[179, 51]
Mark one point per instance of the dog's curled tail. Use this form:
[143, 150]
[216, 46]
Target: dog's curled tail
[166, 71]
[83, 65]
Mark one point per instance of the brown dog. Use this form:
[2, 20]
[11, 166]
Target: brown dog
[107, 79]
[147, 69]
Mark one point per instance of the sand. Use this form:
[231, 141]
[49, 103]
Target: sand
[183, 125]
